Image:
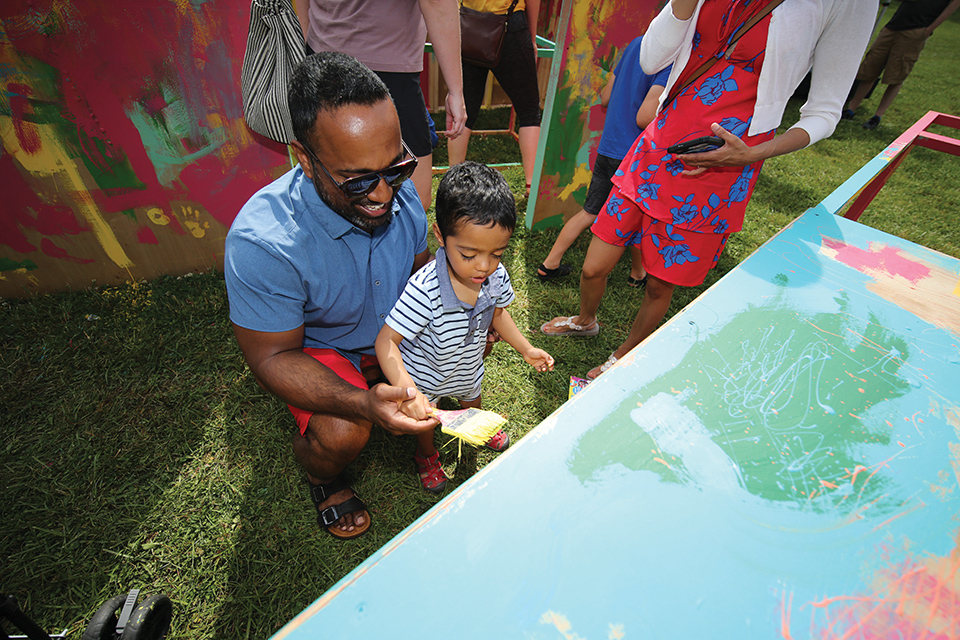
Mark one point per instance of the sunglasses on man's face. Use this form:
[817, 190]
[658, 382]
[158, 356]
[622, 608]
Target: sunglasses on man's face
[358, 187]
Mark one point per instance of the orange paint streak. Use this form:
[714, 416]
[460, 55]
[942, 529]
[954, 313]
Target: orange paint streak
[785, 608]
[856, 472]
[900, 515]
[662, 461]
[830, 485]
[916, 598]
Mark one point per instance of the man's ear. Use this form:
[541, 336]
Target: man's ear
[436, 232]
[303, 158]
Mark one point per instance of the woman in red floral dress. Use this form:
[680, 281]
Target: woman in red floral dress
[680, 209]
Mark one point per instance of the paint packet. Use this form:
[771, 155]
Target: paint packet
[576, 386]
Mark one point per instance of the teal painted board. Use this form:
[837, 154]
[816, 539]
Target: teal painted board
[780, 460]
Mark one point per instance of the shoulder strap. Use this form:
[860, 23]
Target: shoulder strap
[702, 69]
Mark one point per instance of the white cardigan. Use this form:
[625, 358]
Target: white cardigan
[828, 36]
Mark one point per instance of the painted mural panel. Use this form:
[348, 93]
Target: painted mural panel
[592, 35]
[780, 460]
[125, 152]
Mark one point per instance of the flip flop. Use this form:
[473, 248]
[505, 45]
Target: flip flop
[612, 360]
[636, 282]
[329, 516]
[573, 329]
[550, 274]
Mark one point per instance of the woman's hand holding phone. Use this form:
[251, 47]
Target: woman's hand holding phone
[733, 152]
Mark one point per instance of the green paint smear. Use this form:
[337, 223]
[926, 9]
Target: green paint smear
[565, 135]
[164, 135]
[110, 169]
[786, 396]
[6, 264]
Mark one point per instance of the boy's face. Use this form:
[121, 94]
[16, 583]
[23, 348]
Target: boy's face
[474, 251]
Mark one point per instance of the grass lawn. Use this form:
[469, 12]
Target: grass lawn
[139, 451]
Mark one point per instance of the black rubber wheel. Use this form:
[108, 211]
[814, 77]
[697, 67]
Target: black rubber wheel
[150, 620]
[103, 624]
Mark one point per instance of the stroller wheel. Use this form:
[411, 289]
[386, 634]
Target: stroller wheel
[150, 620]
[103, 624]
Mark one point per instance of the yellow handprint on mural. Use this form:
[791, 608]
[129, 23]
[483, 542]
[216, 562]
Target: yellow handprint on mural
[191, 218]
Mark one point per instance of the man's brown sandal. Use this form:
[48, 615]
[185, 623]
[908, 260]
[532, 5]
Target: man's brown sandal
[328, 517]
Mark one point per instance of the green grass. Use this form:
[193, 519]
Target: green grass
[139, 452]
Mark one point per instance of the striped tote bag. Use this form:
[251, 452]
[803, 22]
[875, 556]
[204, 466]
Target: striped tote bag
[275, 47]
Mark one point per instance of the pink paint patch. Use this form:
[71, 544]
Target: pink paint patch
[145, 235]
[879, 259]
[52, 250]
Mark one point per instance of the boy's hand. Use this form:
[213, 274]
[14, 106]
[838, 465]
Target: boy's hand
[384, 401]
[417, 407]
[539, 359]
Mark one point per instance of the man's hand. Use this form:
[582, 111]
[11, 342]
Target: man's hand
[383, 408]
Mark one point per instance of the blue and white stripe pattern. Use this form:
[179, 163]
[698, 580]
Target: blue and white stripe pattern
[443, 337]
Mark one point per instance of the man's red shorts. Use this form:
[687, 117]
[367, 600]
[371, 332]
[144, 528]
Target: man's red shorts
[340, 366]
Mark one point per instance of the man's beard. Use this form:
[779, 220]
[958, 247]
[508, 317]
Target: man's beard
[348, 213]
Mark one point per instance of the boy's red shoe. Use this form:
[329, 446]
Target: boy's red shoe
[499, 442]
[432, 477]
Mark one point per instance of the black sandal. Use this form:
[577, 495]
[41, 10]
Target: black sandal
[550, 274]
[636, 282]
[329, 516]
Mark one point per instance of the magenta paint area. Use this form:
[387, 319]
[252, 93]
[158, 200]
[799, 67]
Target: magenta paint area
[879, 259]
[143, 102]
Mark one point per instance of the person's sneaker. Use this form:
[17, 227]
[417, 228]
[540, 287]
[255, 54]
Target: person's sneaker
[499, 442]
[872, 123]
[432, 477]
[846, 114]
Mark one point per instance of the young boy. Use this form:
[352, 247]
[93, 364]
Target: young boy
[435, 336]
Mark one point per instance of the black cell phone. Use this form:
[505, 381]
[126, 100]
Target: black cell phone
[698, 145]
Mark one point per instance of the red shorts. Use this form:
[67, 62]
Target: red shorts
[340, 366]
[681, 257]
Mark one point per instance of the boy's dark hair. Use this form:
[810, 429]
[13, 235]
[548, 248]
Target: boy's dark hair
[327, 80]
[475, 193]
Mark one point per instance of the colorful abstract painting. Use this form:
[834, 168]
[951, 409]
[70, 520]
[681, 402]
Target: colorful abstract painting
[591, 36]
[781, 460]
[125, 153]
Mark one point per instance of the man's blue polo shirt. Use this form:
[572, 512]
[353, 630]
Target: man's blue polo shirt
[290, 260]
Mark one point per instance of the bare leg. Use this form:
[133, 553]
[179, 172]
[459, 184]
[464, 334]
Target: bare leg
[862, 90]
[529, 139]
[636, 263]
[571, 230]
[457, 147]
[888, 97]
[425, 446]
[470, 404]
[656, 301]
[330, 444]
[423, 179]
[600, 261]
